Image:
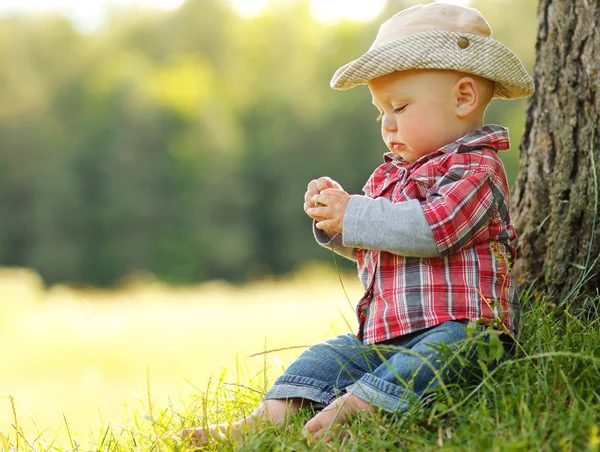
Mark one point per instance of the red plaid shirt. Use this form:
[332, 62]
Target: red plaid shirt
[464, 194]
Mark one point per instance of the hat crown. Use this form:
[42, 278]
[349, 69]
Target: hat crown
[432, 17]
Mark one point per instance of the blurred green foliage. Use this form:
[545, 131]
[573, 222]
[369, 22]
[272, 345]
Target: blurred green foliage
[181, 143]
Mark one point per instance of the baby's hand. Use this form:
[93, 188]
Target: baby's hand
[330, 209]
[315, 187]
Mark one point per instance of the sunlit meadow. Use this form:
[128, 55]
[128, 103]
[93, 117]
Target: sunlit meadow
[75, 360]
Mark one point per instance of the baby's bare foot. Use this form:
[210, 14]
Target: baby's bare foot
[269, 412]
[219, 433]
[334, 415]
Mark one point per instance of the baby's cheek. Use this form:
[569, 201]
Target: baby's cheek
[414, 127]
[420, 137]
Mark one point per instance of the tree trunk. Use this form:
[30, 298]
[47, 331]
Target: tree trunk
[555, 197]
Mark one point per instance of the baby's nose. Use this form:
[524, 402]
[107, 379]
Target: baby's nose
[388, 124]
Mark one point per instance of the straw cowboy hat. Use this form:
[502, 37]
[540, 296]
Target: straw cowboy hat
[438, 36]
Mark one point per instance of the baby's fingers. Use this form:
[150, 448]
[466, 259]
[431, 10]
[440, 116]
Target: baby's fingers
[313, 187]
[308, 200]
[324, 183]
[317, 213]
[329, 225]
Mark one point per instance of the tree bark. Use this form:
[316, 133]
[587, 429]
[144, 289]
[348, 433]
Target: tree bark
[555, 197]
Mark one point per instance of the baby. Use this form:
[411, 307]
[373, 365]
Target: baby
[432, 234]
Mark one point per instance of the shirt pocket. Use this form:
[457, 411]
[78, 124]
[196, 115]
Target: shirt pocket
[414, 188]
[422, 180]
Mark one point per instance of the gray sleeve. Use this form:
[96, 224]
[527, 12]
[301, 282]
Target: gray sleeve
[379, 224]
[336, 241]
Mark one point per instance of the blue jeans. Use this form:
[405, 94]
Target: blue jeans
[390, 375]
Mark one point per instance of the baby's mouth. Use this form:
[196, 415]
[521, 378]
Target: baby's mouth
[394, 146]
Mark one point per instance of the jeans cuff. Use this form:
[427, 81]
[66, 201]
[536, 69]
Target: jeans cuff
[382, 394]
[294, 386]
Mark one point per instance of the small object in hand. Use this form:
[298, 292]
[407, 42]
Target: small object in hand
[318, 204]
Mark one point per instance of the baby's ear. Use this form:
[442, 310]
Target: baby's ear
[467, 95]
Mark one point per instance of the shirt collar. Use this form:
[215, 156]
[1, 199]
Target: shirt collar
[489, 136]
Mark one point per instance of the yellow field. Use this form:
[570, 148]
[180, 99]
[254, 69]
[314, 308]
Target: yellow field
[86, 355]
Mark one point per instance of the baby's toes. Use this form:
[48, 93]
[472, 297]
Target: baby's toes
[196, 436]
[313, 428]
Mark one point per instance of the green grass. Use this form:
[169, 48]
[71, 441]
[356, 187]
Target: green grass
[546, 397]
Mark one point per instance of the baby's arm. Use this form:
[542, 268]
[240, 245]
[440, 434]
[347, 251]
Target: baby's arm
[400, 228]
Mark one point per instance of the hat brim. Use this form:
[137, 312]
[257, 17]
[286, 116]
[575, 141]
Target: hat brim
[483, 56]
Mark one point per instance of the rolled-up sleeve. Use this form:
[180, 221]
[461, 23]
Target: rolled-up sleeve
[336, 243]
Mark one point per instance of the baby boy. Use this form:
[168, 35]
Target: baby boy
[432, 234]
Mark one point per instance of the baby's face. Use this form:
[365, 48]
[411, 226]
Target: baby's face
[417, 111]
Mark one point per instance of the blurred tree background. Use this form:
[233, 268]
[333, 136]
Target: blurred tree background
[180, 143]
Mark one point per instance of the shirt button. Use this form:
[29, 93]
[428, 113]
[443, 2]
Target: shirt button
[463, 42]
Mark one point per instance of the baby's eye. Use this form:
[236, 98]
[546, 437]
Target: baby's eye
[400, 109]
